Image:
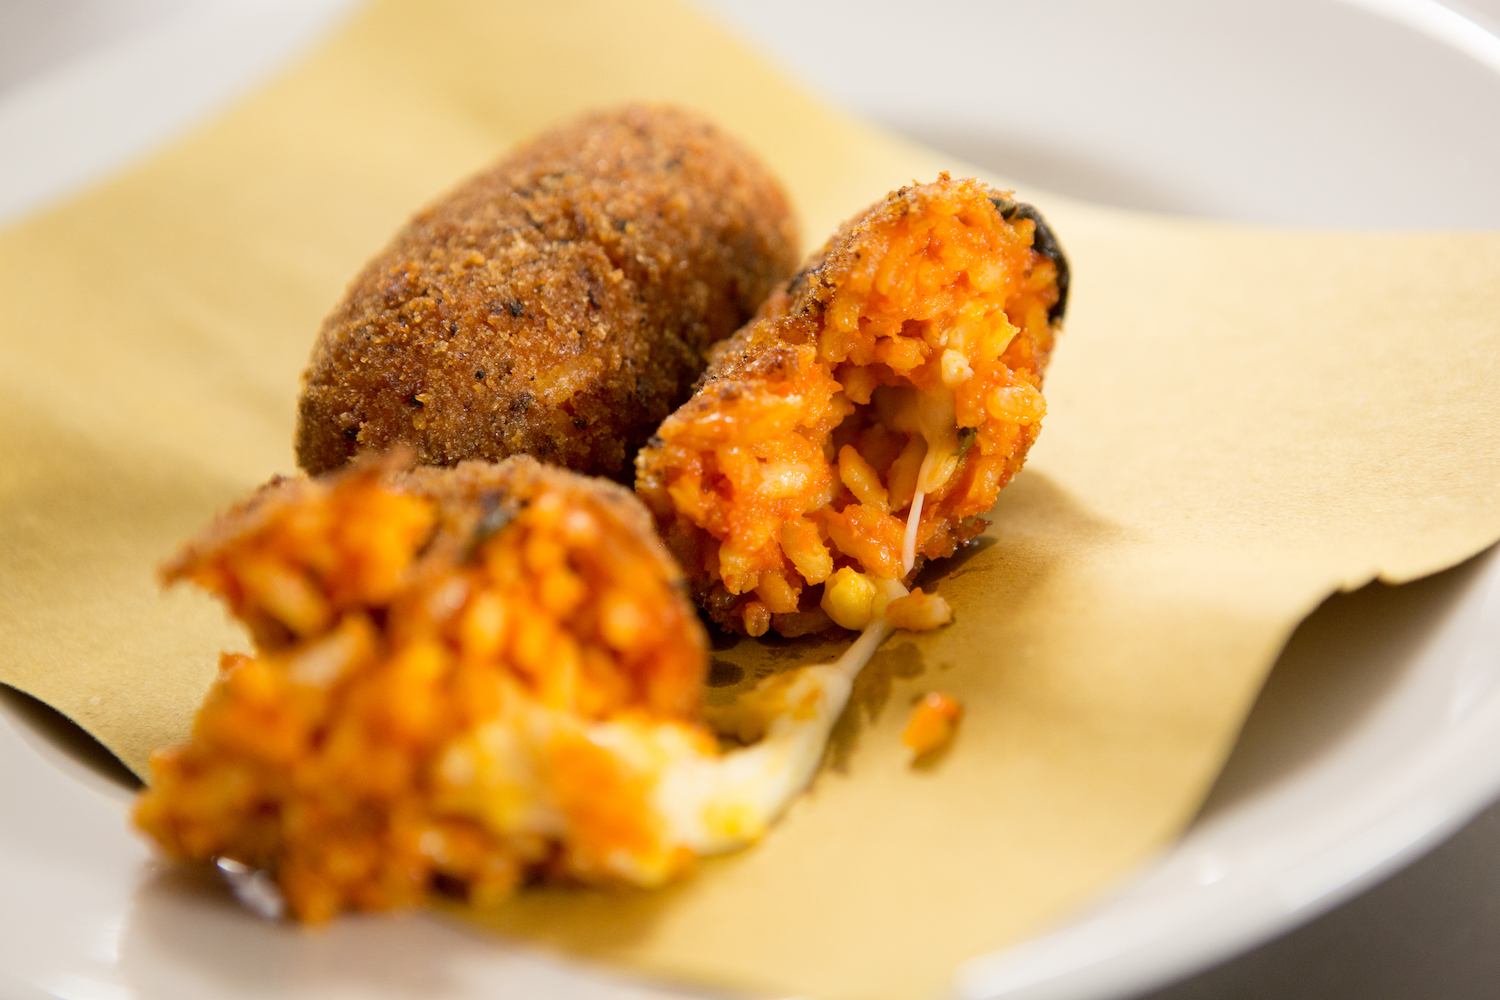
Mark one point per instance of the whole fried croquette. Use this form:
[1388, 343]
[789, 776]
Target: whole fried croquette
[559, 304]
[431, 648]
[868, 416]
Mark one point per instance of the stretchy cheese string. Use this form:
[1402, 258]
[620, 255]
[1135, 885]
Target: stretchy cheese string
[755, 784]
[909, 541]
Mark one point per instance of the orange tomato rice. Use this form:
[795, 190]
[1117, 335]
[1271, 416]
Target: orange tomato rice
[902, 367]
[396, 614]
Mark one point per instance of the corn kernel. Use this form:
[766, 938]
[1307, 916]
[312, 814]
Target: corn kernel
[849, 598]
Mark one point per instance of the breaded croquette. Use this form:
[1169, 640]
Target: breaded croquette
[868, 416]
[559, 304]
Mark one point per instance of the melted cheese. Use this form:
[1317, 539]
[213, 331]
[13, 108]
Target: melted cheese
[693, 796]
[909, 540]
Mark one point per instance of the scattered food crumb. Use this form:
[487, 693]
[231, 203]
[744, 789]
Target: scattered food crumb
[933, 722]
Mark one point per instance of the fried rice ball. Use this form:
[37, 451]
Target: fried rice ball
[559, 304]
[442, 658]
[863, 422]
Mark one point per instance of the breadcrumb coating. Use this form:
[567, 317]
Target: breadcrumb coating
[559, 304]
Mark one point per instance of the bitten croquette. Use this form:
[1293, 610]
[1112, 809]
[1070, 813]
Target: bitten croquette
[868, 416]
[559, 304]
[435, 650]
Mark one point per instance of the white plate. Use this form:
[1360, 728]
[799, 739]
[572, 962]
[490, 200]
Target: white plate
[1380, 731]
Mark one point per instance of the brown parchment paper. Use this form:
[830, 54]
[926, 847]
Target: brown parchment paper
[1240, 421]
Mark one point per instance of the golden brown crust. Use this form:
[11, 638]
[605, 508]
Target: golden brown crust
[559, 304]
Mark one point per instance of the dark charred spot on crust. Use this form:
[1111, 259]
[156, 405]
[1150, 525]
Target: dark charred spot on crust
[621, 225]
[479, 374]
[655, 441]
[1005, 206]
[803, 277]
[593, 302]
[452, 328]
[517, 307]
[579, 423]
[522, 403]
[1043, 242]
[351, 433]
[414, 401]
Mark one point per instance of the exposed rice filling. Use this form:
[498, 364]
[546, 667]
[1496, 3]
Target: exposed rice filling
[467, 679]
[434, 650]
[868, 416]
